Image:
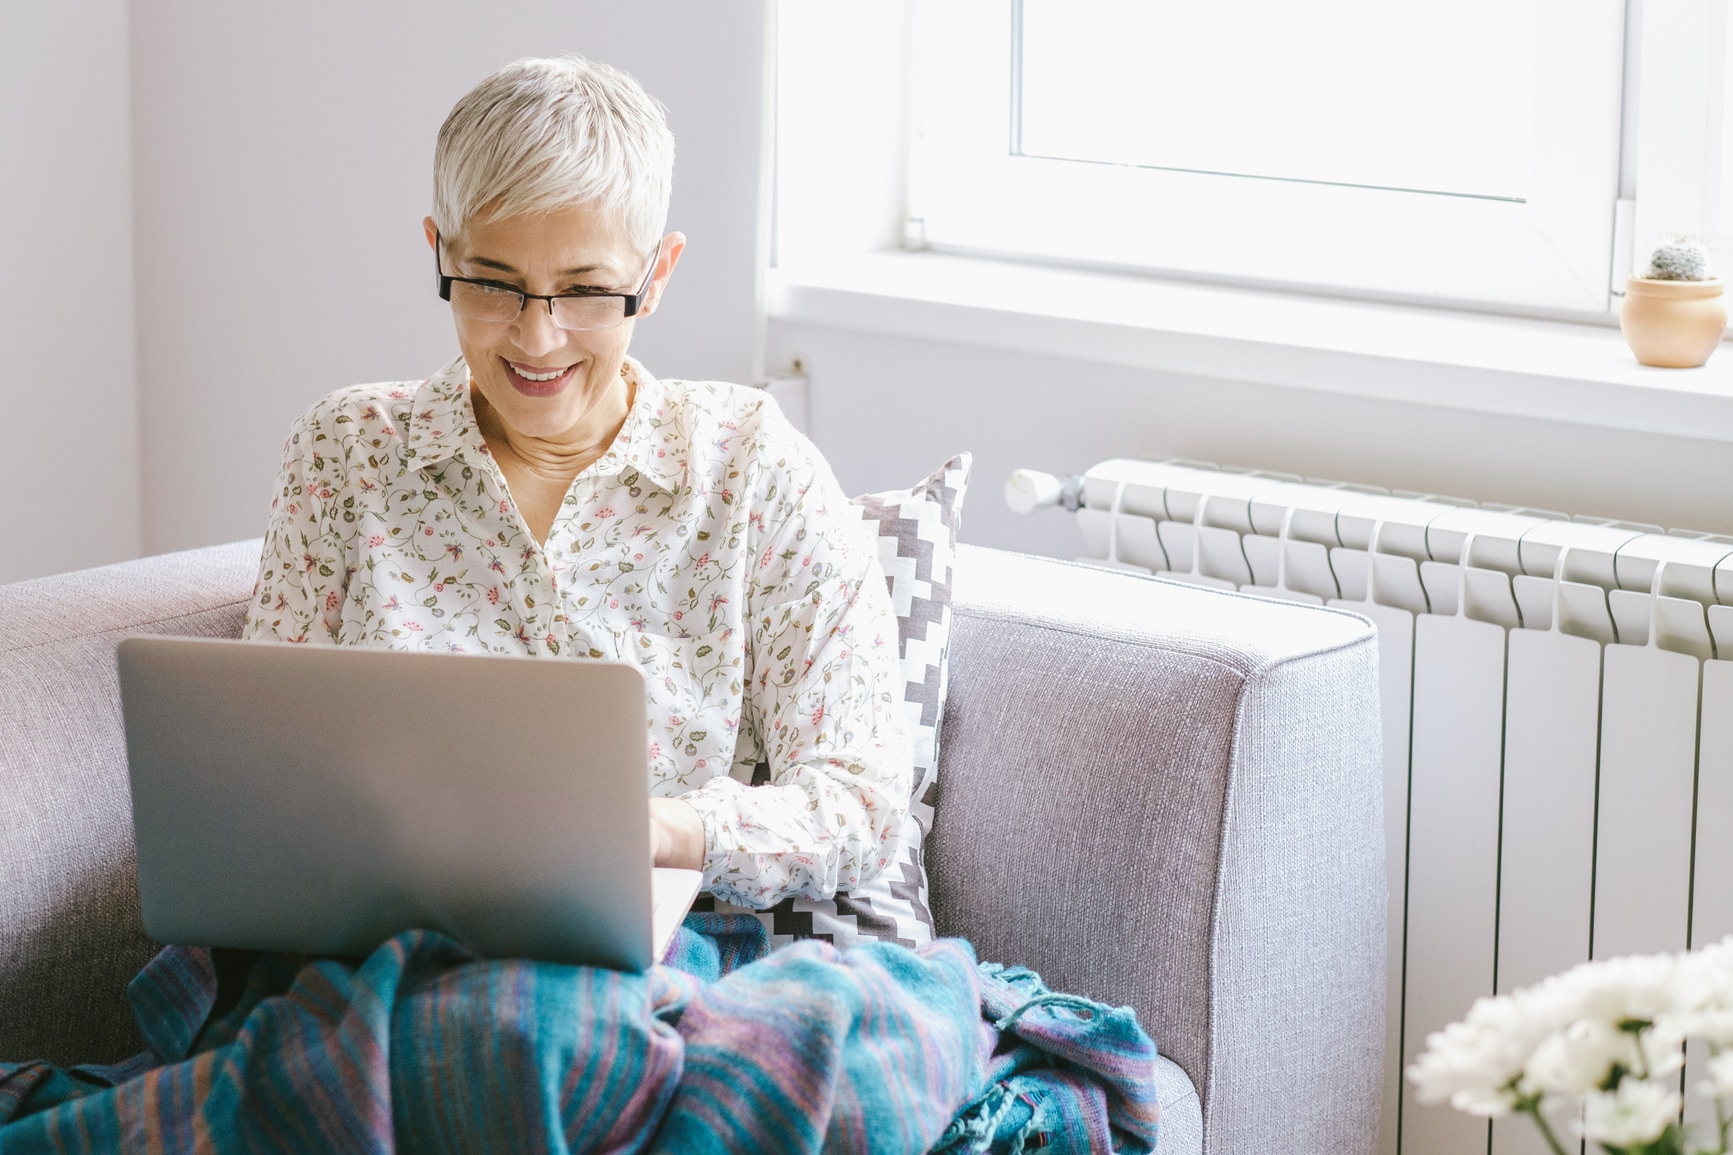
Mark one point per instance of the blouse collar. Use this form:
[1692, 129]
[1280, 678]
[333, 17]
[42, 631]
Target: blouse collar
[442, 425]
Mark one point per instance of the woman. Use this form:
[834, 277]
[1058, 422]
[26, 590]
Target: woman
[543, 494]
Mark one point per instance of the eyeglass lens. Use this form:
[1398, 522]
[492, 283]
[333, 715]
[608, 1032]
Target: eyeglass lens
[493, 303]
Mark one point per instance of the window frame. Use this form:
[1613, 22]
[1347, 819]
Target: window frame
[1551, 254]
[1680, 128]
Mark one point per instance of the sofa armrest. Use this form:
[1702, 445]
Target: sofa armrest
[70, 934]
[1170, 797]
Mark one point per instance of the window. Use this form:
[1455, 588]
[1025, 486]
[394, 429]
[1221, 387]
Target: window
[1465, 152]
[1325, 94]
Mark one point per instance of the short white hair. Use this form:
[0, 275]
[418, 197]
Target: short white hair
[545, 134]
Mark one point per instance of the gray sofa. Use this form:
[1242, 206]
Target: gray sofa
[1152, 794]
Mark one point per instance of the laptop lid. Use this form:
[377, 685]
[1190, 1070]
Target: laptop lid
[324, 798]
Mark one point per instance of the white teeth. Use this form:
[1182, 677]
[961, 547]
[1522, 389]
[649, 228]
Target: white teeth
[538, 376]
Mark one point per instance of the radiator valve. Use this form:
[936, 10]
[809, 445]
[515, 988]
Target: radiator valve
[1027, 490]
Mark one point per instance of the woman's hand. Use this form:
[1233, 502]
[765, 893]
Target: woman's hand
[676, 834]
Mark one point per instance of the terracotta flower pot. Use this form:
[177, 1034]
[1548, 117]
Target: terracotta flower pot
[1672, 324]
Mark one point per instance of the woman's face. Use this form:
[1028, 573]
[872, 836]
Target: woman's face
[568, 250]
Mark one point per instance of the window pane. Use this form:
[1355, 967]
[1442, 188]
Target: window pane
[1396, 94]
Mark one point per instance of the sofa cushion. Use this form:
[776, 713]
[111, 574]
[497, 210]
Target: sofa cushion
[1181, 1114]
[70, 935]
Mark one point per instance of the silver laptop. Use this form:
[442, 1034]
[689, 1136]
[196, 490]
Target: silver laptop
[324, 798]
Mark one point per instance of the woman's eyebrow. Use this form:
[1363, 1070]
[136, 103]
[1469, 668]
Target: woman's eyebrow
[501, 266]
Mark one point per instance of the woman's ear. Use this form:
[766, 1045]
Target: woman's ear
[432, 232]
[672, 246]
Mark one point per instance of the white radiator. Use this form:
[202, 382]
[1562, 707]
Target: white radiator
[1558, 728]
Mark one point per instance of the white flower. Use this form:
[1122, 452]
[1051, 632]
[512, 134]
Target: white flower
[1663, 1052]
[1633, 1115]
[1474, 1065]
[1578, 1059]
[1633, 988]
[1705, 979]
[1703, 999]
[1717, 955]
[1719, 1084]
[1468, 1068]
[1711, 1024]
[1711, 973]
[1621, 1021]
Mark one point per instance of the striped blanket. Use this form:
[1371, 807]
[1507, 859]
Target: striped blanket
[422, 1046]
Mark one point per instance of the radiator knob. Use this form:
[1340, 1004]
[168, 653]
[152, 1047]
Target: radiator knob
[1027, 490]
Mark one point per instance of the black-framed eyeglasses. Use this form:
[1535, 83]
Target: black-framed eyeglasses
[586, 309]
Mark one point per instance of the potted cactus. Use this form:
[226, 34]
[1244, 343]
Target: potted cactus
[1673, 315]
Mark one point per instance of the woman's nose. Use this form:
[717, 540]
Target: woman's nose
[536, 331]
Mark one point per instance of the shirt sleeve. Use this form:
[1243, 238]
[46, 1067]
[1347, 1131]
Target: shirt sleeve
[302, 576]
[824, 699]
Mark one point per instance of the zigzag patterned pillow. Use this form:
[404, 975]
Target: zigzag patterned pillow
[917, 536]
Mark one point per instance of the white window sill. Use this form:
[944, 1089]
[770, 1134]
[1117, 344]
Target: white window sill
[1552, 370]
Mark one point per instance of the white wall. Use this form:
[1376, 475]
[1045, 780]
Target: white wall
[283, 150]
[266, 152]
[68, 428]
[886, 411]
[842, 125]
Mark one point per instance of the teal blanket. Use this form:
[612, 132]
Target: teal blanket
[423, 1046]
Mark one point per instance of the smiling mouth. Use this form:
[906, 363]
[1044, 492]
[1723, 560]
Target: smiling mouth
[537, 380]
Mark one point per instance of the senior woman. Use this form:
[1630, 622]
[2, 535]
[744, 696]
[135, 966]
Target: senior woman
[543, 494]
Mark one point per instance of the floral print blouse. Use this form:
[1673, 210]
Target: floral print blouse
[710, 544]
